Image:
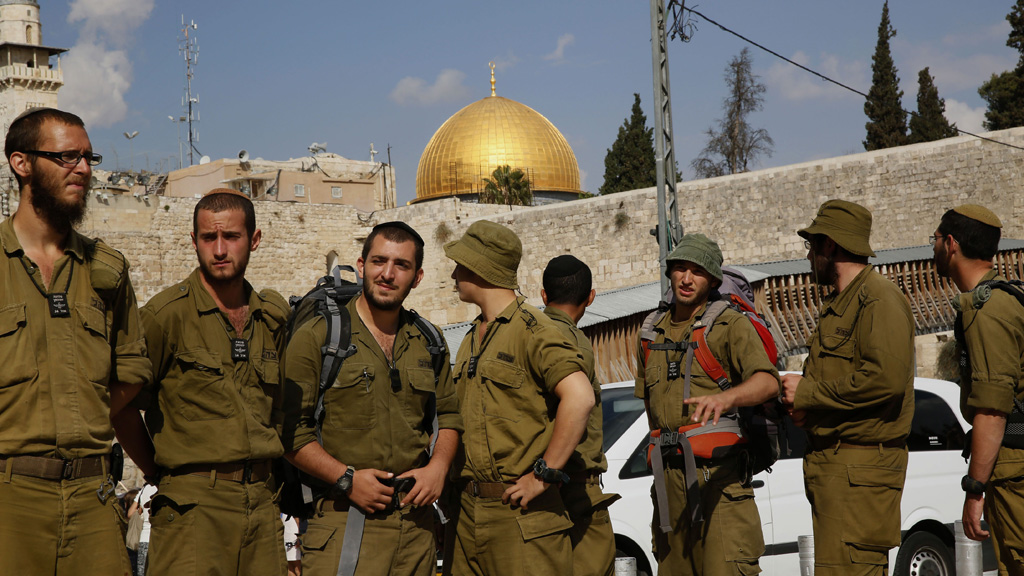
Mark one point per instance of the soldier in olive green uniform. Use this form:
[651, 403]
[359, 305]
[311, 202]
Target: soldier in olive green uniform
[73, 355]
[729, 541]
[525, 401]
[990, 334]
[855, 398]
[567, 293]
[377, 424]
[216, 345]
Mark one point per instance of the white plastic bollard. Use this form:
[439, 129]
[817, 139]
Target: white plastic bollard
[968, 552]
[625, 567]
[805, 544]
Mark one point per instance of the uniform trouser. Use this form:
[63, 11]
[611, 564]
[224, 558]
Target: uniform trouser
[495, 539]
[60, 527]
[204, 526]
[1004, 511]
[591, 536]
[400, 542]
[728, 542]
[855, 498]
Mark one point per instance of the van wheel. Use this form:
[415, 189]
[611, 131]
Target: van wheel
[924, 554]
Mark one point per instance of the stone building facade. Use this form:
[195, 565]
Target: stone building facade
[754, 216]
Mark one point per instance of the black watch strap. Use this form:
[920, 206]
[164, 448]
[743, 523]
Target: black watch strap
[344, 483]
[549, 475]
[972, 486]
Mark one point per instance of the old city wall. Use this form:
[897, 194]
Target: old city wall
[754, 217]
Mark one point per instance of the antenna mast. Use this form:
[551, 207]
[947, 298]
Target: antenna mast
[188, 47]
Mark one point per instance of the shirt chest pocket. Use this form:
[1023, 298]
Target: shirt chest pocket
[91, 344]
[505, 396]
[201, 392]
[421, 389]
[16, 347]
[349, 402]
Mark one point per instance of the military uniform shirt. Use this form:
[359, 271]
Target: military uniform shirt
[858, 383]
[368, 424]
[203, 406]
[589, 454]
[508, 404]
[994, 335]
[54, 385]
[733, 341]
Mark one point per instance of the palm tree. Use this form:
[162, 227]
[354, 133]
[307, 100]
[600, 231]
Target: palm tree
[507, 186]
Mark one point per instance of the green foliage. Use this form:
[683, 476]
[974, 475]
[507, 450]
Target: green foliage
[1004, 92]
[507, 186]
[887, 122]
[735, 145]
[442, 233]
[629, 163]
[930, 122]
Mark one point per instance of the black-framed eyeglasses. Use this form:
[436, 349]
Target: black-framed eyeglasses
[69, 157]
[935, 238]
[807, 244]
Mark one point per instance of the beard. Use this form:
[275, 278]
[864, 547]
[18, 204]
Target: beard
[394, 302]
[824, 271]
[222, 277]
[59, 214]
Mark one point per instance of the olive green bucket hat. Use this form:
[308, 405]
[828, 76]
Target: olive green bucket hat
[491, 251]
[700, 250]
[846, 223]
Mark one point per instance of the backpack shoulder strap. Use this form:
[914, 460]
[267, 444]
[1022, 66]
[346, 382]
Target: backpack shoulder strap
[437, 348]
[337, 346]
[647, 333]
[712, 367]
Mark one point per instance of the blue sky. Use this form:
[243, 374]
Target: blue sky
[274, 77]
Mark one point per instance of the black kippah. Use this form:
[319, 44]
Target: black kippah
[562, 266]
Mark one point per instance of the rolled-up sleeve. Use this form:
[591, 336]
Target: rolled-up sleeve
[448, 414]
[303, 363]
[994, 345]
[130, 364]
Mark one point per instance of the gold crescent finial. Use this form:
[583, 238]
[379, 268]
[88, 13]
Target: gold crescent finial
[491, 64]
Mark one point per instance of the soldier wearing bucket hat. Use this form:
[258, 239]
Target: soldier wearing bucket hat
[513, 368]
[988, 329]
[855, 398]
[729, 540]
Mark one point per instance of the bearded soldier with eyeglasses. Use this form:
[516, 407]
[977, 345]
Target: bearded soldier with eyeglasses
[73, 354]
[855, 398]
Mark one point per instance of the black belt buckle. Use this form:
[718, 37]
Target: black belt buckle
[69, 470]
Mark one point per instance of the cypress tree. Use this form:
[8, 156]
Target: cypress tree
[887, 122]
[930, 121]
[1004, 92]
[629, 163]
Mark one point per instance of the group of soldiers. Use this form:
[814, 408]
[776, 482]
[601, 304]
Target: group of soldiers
[205, 388]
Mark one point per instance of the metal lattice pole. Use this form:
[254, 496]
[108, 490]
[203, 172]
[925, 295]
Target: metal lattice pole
[669, 229]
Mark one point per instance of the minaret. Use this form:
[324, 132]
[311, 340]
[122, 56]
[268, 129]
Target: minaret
[26, 78]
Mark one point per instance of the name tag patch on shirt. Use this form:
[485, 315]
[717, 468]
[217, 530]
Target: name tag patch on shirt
[239, 349]
[506, 357]
[58, 305]
[673, 370]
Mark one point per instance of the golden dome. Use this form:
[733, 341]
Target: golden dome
[490, 133]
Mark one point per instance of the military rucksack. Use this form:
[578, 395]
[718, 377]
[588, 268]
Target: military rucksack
[328, 299]
[1013, 437]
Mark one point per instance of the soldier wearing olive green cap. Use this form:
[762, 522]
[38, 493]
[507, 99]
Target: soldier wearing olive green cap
[214, 406]
[525, 401]
[855, 398]
[729, 541]
[989, 332]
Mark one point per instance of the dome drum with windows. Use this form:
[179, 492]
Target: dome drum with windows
[495, 132]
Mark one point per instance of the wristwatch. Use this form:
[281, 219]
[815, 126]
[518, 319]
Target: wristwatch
[549, 475]
[972, 486]
[344, 483]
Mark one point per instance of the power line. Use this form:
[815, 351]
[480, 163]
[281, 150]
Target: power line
[827, 79]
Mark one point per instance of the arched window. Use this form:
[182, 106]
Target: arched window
[28, 35]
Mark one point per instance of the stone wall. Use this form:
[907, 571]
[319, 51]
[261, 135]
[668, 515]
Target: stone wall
[754, 216]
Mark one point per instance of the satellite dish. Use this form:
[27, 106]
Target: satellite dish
[142, 179]
[114, 178]
[204, 160]
[243, 155]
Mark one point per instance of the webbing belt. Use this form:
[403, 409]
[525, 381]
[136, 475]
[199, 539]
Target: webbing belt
[660, 439]
[353, 540]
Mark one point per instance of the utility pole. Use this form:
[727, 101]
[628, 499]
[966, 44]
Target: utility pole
[189, 49]
[669, 230]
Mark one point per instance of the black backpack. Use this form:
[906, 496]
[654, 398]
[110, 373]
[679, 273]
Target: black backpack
[328, 300]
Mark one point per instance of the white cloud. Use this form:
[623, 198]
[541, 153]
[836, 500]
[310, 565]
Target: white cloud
[558, 55]
[796, 84]
[583, 179]
[448, 87]
[97, 69]
[505, 62]
[965, 117]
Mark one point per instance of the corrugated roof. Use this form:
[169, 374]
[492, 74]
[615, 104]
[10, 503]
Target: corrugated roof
[624, 302]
